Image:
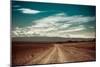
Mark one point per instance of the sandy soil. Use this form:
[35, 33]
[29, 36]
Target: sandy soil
[47, 53]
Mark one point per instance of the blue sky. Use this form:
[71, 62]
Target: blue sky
[31, 19]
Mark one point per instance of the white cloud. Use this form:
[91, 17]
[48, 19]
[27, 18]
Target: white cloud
[28, 11]
[66, 19]
[73, 29]
[81, 19]
[57, 25]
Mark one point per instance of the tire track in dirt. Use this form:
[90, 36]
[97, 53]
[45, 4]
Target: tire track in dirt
[40, 57]
[60, 54]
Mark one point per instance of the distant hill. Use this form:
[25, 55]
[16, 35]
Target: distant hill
[50, 39]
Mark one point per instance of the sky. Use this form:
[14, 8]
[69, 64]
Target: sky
[31, 19]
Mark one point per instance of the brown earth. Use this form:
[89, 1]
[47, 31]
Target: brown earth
[26, 53]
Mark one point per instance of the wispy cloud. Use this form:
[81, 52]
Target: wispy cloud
[63, 18]
[56, 25]
[28, 11]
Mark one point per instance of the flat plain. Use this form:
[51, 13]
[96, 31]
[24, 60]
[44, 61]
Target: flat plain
[31, 53]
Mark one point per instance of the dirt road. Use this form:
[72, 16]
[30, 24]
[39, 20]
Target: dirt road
[56, 54]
